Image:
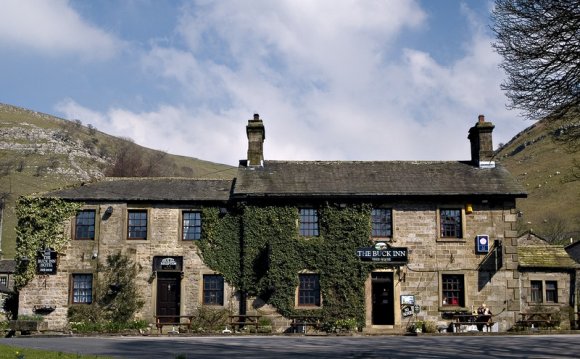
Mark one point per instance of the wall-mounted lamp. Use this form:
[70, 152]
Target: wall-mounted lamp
[469, 208]
[108, 212]
[95, 253]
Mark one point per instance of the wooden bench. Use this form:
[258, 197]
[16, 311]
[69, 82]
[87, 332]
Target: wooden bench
[300, 323]
[488, 325]
[174, 321]
[239, 321]
[536, 320]
[467, 319]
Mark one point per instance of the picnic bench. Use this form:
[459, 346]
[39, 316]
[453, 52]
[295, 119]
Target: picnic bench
[468, 319]
[300, 323]
[174, 321]
[536, 319]
[240, 320]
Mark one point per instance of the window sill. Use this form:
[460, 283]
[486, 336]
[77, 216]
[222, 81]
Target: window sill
[450, 240]
[308, 307]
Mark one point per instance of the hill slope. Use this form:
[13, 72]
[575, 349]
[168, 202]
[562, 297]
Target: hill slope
[39, 152]
[545, 159]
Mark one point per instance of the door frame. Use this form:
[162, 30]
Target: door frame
[396, 287]
[168, 274]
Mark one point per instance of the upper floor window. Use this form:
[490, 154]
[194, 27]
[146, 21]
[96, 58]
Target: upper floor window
[450, 224]
[308, 222]
[213, 289]
[137, 224]
[309, 290]
[191, 225]
[382, 223]
[453, 289]
[82, 288]
[85, 224]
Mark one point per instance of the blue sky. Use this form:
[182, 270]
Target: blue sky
[332, 79]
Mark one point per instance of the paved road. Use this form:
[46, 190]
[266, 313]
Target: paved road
[258, 347]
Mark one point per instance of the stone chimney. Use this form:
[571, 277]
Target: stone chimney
[481, 143]
[256, 136]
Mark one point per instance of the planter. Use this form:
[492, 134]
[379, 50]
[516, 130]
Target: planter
[28, 325]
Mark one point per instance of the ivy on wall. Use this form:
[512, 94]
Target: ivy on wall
[220, 244]
[273, 254]
[40, 226]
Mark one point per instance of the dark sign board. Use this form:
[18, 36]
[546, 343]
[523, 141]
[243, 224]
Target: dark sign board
[46, 261]
[382, 253]
[167, 263]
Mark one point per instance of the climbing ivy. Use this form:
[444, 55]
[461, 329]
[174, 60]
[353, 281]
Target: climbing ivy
[40, 226]
[273, 254]
[220, 243]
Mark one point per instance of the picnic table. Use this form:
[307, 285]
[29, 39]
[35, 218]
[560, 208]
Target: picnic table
[536, 319]
[174, 321]
[240, 320]
[468, 319]
[301, 322]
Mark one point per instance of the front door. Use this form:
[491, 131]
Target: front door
[383, 298]
[168, 295]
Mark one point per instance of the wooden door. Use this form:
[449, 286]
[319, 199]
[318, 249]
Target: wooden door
[383, 298]
[168, 296]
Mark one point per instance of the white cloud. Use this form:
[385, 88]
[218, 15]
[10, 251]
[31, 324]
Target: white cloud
[176, 130]
[325, 77]
[53, 27]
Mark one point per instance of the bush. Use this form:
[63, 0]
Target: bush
[209, 320]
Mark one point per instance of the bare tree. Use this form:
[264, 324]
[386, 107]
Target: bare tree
[540, 43]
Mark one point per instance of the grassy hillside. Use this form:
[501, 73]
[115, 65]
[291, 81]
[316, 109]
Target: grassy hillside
[39, 152]
[545, 158]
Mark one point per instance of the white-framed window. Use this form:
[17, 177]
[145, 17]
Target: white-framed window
[82, 288]
[308, 222]
[382, 222]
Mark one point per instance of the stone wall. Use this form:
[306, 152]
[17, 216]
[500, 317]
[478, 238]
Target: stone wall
[415, 226]
[86, 256]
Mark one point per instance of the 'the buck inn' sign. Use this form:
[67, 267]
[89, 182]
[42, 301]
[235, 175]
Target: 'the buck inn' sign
[383, 253]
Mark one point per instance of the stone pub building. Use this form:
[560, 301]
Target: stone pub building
[379, 243]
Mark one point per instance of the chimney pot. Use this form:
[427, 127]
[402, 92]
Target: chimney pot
[256, 136]
[481, 143]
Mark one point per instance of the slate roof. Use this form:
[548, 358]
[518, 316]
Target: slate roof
[149, 189]
[373, 178]
[546, 256]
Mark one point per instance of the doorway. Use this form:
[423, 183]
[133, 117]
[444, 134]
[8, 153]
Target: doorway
[168, 296]
[383, 305]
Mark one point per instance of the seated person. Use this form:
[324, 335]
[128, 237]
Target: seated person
[483, 316]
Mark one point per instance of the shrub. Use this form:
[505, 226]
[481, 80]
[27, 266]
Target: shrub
[210, 319]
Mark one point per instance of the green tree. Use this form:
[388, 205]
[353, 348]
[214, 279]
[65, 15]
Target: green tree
[118, 293]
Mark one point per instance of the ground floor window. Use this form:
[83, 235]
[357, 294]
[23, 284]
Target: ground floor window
[453, 289]
[543, 291]
[536, 291]
[213, 289]
[551, 291]
[82, 288]
[309, 290]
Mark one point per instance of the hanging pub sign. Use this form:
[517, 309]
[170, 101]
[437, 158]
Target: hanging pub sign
[383, 253]
[482, 242]
[46, 261]
[166, 263]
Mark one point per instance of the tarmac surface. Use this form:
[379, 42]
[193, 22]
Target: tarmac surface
[258, 347]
